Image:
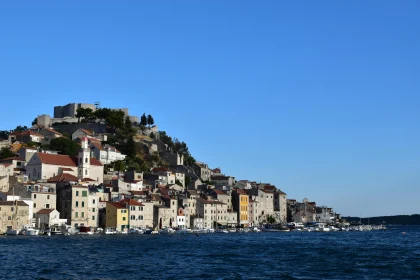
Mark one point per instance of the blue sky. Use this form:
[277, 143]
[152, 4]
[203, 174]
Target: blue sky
[319, 98]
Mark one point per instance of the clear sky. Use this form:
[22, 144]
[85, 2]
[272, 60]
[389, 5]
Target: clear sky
[320, 98]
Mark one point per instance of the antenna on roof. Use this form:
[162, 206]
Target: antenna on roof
[97, 105]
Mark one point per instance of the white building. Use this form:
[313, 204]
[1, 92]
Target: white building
[106, 154]
[43, 166]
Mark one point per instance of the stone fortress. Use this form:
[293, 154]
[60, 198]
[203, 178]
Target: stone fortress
[67, 114]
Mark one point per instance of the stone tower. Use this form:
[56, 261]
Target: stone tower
[84, 159]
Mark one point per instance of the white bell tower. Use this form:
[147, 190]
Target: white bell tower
[84, 159]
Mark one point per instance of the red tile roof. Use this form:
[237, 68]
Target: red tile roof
[241, 191]
[133, 202]
[52, 131]
[63, 160]
[87, 132]
[13, 158]
[28, 132]
[116, 205]
[88, 180]
[45, 211]
[216, 191]
[98, 146]
[63, 177]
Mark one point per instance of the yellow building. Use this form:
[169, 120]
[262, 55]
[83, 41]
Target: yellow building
[240, 204]
[116, 216]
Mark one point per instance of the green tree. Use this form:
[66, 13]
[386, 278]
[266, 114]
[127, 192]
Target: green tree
[152, 135]
[143, 120]
[166, 139]
[65, 146]
[271, 219]
[20, 128]
[115, 120]
[6, 152]
[178, 182]
[35, 121]
[150, 120]
[102, 113]
[4, 134]
[85, 113]
[119, 165]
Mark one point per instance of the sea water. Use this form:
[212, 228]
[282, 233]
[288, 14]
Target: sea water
[391, 254]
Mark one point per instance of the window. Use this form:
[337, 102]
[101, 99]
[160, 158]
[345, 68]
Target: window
[83, 214]
[86, 172]
[48, 196]
[35, 195]
[141, 208]
[12, 208]
[93, 218]
[47, 206]
[93, 201]
[77, 203]
[86, 160]
[77, 193]
[93, 210]
[83, 204]
[141, 218]
[76, 214]
[132, 217]
[84, 193]
[34, 206]
[123, 218]
[9, 218]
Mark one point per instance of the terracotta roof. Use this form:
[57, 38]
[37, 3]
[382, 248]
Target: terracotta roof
[216, 191]
[57, 159]
[220, 178]
[63, 160]
[28, 132]
[63, 177]
[160, 169]
[138, 192]
[241, 191]
[202, 200]
[45, 211]
[6, 164]
[98, 146]
[88, 180]
[52, 131]
[88, 132]
[13, 158]
[19, 169]
[131, 202]
[116, 205]
[12, 203]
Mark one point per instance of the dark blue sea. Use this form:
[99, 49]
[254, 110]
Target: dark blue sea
[388, 254]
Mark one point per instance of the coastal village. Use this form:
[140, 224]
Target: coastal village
[89, 168]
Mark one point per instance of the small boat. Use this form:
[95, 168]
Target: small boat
[167, 230]
[12, 232]
[275, 228]
[221, 230]
[30, 231]
[255, 229]
[136, 231]
[109, 230]
[85, 230]
[232, 230]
